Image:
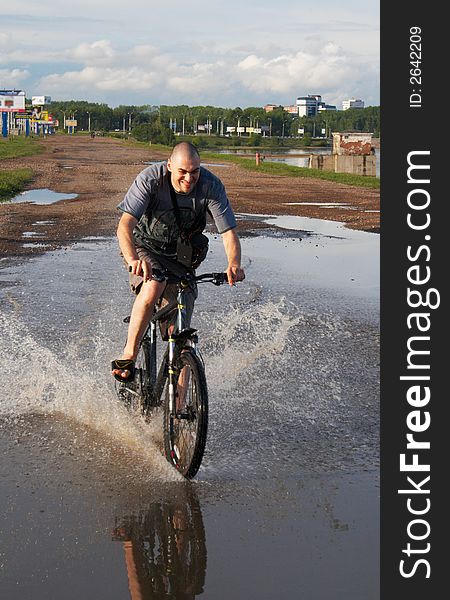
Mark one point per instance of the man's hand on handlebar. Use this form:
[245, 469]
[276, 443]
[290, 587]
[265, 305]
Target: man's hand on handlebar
[235, 274]
[141, 267]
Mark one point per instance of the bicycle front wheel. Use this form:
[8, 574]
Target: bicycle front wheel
[186, 425]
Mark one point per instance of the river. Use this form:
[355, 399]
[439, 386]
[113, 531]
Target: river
[300, 158]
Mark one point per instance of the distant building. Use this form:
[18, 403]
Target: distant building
[307, 106]
[323, 107]
[352, 103]
[270, 107]
[292, 109]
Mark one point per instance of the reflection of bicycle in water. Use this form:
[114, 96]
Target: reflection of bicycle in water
[165, 549]
[180, 384]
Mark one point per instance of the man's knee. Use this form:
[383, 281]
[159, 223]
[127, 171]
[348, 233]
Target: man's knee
[150, 291]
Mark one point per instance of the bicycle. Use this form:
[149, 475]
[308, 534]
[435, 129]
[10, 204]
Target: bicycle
[179, 383]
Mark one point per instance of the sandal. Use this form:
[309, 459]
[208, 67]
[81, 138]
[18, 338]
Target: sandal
[124, 365]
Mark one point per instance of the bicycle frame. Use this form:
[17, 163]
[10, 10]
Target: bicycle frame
[178, 334]
[179, 337]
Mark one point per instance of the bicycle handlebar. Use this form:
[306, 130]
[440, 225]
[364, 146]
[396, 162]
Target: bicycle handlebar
[214, 278]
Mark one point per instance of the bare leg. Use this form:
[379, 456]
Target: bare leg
[140, 316]
[183, 381]
[182, 387]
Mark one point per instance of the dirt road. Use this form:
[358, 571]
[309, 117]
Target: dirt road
[100, 170]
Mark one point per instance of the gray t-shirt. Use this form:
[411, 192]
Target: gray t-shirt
[148, 200]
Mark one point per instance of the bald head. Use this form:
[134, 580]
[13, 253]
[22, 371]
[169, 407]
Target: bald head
[184, 150]
[184, 167]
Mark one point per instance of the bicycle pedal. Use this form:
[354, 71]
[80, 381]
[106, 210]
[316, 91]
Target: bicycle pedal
[184, 416]
[181, 416]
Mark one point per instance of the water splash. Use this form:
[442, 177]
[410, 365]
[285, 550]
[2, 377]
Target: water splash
[58, 383]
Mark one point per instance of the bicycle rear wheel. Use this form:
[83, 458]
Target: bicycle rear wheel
[186, 426]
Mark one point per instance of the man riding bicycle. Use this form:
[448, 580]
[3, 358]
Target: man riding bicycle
[160, 233]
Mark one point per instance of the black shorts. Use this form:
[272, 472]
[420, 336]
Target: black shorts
[164, 263]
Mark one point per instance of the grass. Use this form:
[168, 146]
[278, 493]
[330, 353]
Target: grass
[18, 146]
[291, 171]
[13, 182]
[281, 169]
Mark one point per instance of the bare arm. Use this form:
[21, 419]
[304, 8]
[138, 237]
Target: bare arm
[126, 242]
[232, 247]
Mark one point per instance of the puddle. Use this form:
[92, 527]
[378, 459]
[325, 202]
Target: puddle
[290, 472]
[31, 234]
[42, 196]
[328, 204]
[35, 245]
[49, 222]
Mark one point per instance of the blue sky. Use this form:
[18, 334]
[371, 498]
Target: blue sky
[221, 53]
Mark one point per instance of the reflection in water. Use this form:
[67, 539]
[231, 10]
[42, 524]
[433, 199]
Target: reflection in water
[164, 547]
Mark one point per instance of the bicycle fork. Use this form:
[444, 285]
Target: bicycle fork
[172, 375]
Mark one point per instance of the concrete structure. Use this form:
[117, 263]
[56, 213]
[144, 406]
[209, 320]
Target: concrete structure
[352, 103]
[352, 153]
[352, 143]
[338, 163]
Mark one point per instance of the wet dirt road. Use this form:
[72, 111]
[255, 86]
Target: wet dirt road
[100, 171]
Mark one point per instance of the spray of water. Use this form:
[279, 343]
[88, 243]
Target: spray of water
[39, 380]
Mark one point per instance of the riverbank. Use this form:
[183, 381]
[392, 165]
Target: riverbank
[100, 170]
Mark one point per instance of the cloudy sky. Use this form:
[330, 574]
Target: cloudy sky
[224, 53]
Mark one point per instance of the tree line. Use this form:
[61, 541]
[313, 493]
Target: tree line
[161, 123]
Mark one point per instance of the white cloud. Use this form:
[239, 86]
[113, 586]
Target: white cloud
[95, 78]
[258, 77]
[299, 73]
[100, 51]
[13, 78]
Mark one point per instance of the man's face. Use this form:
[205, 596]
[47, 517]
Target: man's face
[185, 172]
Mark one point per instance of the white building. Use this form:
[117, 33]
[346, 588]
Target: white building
[324, 107]
[307, 105]
[352, 103]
